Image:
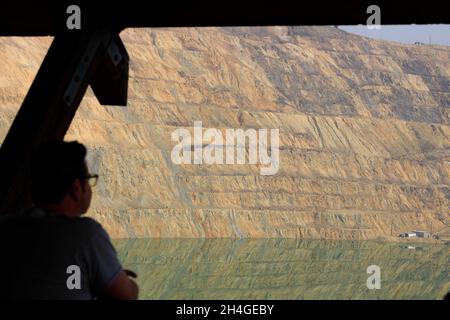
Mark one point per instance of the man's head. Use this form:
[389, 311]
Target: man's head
[59, 177]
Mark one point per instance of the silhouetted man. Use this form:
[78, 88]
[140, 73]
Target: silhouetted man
[50, 251]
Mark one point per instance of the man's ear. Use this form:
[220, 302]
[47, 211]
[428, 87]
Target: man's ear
[76, 190]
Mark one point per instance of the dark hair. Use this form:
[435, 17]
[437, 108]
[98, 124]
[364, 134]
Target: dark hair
[55, 165]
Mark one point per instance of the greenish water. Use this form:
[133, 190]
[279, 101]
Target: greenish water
[284, 269]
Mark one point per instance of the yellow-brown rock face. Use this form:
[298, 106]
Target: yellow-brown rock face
[364, 133]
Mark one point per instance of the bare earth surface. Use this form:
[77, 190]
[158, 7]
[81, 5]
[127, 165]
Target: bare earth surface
[364, 133]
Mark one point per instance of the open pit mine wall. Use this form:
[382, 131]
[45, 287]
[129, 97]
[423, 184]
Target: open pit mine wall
[364, 135]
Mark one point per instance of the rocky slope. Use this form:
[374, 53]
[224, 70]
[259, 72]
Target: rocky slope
[364, 133]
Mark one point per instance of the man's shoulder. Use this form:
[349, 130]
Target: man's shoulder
[88, 222]
[89, 225]
[37, 221]
[88, 229]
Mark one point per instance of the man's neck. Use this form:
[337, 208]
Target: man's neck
[61, 209]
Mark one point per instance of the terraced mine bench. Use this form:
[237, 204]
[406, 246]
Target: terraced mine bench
[95, 55]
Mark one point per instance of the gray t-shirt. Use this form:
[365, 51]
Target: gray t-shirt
[44, 256]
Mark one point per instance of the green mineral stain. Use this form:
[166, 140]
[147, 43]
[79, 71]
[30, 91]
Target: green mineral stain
[284, 269]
